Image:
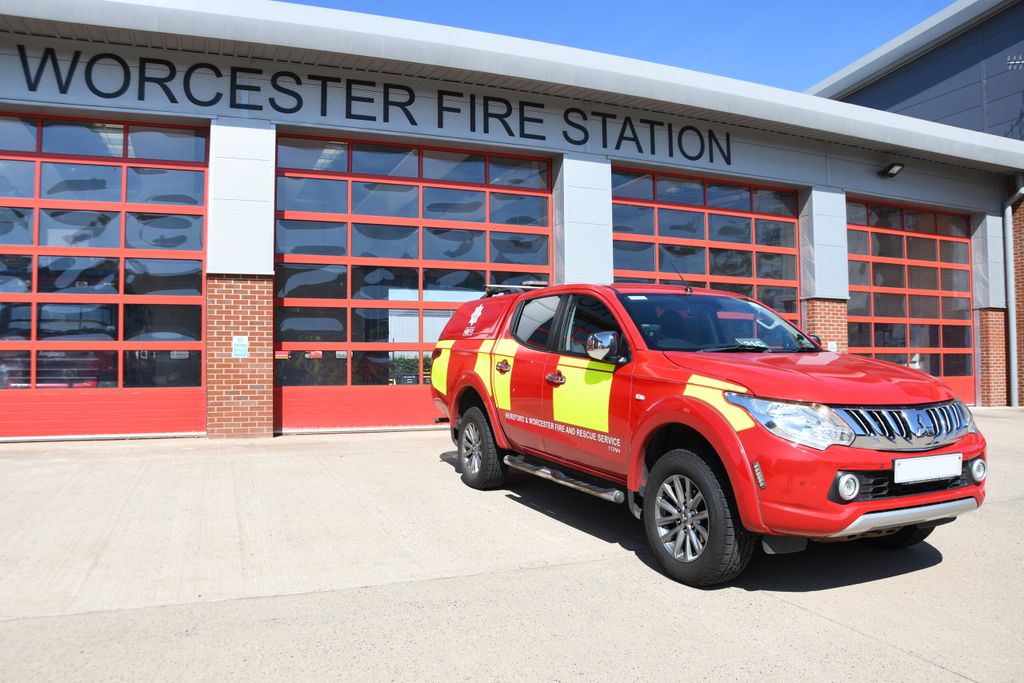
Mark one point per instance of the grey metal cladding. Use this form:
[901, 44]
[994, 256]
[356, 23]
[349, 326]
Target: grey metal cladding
[967, 81]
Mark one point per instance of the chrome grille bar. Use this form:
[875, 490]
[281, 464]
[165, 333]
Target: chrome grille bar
[905, 428]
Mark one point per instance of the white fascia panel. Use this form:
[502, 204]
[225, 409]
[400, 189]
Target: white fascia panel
[240, 207]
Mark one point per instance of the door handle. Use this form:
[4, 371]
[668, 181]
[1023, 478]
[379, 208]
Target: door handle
[555, 378]
[503, 367]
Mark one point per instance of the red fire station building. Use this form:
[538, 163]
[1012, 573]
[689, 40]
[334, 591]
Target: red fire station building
[246, 224]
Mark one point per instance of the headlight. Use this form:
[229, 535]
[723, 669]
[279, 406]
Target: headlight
[808, 424]
[969, 416]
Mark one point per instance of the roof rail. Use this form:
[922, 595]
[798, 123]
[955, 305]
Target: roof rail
[494, 290]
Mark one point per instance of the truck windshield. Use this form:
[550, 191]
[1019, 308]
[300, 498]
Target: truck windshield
[712, 324]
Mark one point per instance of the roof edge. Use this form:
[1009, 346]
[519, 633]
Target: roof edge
[907, 46]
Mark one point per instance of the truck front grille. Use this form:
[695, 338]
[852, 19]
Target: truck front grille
[911, 428]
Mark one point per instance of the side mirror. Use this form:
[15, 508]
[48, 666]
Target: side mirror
[815, 338]
[603, 346]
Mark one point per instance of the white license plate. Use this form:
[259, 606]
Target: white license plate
[927, 468]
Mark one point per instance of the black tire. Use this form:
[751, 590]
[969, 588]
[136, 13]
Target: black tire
[487, 470]
[904, 538]
[727, 547]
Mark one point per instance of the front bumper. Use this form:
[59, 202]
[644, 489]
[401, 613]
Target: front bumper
[798, 496]
[892, 519]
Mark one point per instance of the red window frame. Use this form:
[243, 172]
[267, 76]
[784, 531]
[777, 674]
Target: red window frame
[37, 205]
[963, 385]
[421, 347]
[708, 278]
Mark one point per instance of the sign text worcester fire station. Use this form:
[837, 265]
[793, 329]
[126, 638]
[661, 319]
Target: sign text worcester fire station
[159, 80]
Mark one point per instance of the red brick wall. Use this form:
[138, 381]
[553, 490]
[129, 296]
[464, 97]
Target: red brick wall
[1018, 269]
[239, 391]
[992, 357]
[827, 319]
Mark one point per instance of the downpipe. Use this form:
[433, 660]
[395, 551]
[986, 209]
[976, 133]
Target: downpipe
[1011, 288]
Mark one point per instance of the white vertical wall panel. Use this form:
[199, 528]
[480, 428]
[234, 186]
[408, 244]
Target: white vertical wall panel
[240, 208]
[823, 246]
[988, 268]
[583, 219]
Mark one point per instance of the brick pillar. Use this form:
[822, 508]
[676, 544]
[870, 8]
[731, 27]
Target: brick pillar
[239, 391]
[992, 357]
[827, 319]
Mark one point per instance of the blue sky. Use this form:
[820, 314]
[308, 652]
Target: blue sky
[788, 43]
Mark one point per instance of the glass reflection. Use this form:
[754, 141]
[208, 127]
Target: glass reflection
[78, 275]
[511, 209]
[632, 255]
[80, 182]
[146, 369]
[313, 155]
[15, 371]
[452, 285]
[15, 321]
[378, 282]
[83, 138]
[309, 281]
[631, 219]
[385, 325]
[15, 274]
[94, 229]
[159, 322]
[314, 195]
[385, 241]
[450, 244]
[77, 322]
[509, 247]
[632, 185]
[312, 369]
[453, 205]
[384, 199]
[17, 134]
[164, 277]
[165, 186]
[385, 367]
[459, 167]
[312, 237]
[526, 173]
[385, 160]
[76, 369]
[17, 178]
[171, 144]
[677, 258]
[308, 324]
[164, 231]
[15, 226]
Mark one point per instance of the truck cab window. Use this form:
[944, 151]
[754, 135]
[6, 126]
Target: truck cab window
[536, 319]
[587, 315]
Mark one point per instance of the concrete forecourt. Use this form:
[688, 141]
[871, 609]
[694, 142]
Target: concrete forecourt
[240, 559]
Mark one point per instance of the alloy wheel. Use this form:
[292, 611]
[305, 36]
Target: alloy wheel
[681, 518]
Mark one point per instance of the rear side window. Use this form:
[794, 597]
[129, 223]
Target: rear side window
[535, 321]
[587, 315]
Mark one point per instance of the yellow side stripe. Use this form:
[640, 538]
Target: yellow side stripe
[584, 363]
[712, 383]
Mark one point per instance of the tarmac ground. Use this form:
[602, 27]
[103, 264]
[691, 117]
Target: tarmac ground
[364, 555]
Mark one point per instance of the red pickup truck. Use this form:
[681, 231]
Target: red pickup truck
[718, 422]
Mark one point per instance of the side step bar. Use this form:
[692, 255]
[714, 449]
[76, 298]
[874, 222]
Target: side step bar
[517, 462]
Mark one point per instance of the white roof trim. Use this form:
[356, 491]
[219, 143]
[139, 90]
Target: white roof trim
[928, 34]
[340, 32]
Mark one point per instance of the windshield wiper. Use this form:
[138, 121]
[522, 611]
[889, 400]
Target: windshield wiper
[735, 348]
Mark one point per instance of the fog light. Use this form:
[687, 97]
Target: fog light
[979, 470]
[849, 486]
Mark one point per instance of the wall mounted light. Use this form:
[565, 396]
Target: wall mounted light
[892, 170]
